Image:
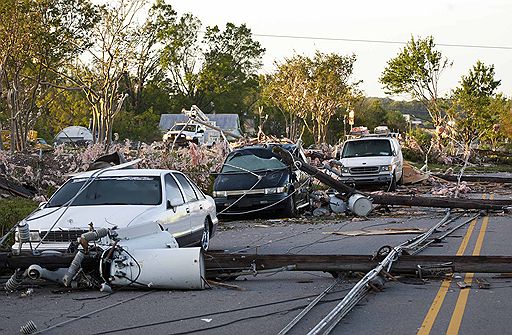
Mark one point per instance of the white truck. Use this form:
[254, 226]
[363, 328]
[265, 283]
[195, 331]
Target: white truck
[182, 133]
[372, 160]
[191, 132]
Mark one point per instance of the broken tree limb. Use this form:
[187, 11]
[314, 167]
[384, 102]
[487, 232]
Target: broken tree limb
[474, 178]
[405, 200]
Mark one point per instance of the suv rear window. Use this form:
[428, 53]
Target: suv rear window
[367, 148]
[110, 191]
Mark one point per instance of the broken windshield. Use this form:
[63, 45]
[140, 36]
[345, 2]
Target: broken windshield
[190, 127]
[367, 148]
[252, 160]
[110, 191]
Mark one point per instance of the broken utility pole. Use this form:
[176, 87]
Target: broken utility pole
[474, 178]
[387, 199]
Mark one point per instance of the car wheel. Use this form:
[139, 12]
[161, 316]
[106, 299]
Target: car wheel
[392, 185]
[205, 238]
[290, 211]
[401, 180]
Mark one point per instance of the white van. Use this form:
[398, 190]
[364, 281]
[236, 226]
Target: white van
[372, 160]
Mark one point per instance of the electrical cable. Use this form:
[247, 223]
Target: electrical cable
[93, 312]
[456, 45]
[152, 324]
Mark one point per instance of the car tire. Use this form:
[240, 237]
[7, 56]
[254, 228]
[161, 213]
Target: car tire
[205, 238]
[290, 211]
[392, 185]
[401, 180]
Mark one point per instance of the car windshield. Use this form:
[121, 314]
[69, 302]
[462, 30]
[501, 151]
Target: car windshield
[367, 148]
[132, 190]
[178, 127]
[252, 160]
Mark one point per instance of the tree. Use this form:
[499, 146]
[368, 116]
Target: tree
[313, 90]
[217, 72]
[476, 105]
[286, 90]
[37, 38]
[147, 53]
[416, 71]
[116, 37]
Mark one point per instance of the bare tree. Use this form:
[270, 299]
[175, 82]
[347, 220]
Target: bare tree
[116, 40]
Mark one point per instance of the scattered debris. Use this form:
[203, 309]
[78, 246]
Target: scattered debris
[483, 283]
[321, 211]
[412, 175]
[29, 328]
[463, 284]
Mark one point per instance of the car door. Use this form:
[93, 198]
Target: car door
[176, 219]
[194, 207]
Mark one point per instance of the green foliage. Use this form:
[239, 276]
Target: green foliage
[370, 112]
[476, 106]
[312, 90]
[416, 71]
[139, 127]
[14, 210]
[216, 72]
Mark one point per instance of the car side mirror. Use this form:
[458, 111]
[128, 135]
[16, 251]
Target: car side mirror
[174, 202]
[42, 204]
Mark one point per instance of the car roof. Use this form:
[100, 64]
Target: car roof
[370, 138]
[126, 173]
[268, 146]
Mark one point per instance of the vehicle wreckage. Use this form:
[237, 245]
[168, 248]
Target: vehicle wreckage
[124, 227]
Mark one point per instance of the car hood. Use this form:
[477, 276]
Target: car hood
[246, 181]
[366, 161]
[79, 217]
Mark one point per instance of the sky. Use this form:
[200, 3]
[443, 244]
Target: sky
[330, 23]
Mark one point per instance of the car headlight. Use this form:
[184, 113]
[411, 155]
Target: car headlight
[218, 194]
[189, 138]
[345, 170]
[34, 236]
[384, 168]
[275, 190]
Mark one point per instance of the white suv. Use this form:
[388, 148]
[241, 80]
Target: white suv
[372, 160]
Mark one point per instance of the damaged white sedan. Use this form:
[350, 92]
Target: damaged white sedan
[119, 198]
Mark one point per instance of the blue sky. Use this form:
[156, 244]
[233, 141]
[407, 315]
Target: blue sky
[469, 22]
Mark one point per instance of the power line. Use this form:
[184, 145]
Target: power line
[474, 46]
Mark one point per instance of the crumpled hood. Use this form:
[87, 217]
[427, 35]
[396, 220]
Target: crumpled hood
[79, 217]
[366, 161]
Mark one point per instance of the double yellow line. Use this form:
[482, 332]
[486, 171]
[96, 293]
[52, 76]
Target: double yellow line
[460, 306]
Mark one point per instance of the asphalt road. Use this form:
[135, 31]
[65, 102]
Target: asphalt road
[265, 303]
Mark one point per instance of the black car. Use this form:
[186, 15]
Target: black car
[255, 180]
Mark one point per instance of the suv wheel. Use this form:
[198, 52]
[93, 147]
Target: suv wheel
[290, 210]
[392, 184]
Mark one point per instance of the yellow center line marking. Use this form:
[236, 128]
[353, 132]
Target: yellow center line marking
[435, 307]
[460, 306]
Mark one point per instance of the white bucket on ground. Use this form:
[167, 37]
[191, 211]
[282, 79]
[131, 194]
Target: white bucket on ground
[359, 205]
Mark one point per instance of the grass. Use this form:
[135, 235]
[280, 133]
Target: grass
[14, 210]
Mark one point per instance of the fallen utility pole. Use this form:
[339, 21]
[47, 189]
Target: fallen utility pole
[313, 171]
[387, 199]
[441, 202]
[474, 178]
[218, 263]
